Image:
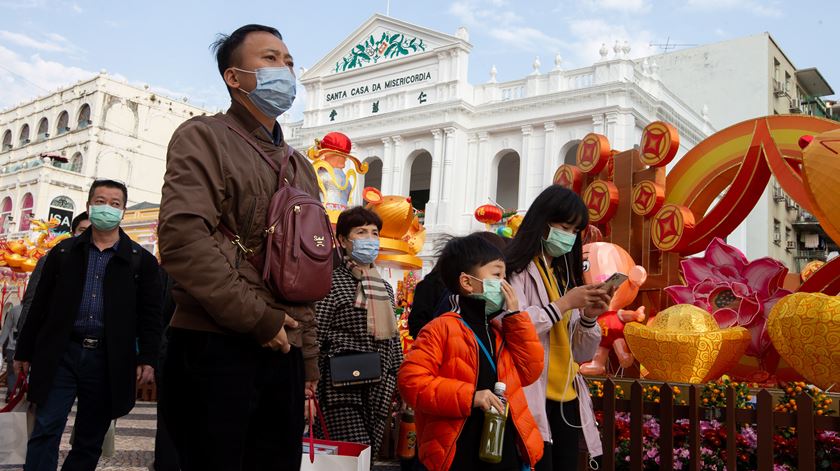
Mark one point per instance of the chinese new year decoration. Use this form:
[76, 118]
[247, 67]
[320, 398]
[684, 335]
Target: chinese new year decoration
[329, 158]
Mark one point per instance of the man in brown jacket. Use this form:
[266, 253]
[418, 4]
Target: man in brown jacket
[239, 358]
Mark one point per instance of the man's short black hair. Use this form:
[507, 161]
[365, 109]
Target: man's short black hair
[78, 220]
[465, 255]
[225, 45]
[109, 184]
[356, 217]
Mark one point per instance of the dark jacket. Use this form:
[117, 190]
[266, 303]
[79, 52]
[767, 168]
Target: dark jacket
[213, 177]
[132, 310]
[29, 294]
[431, 299]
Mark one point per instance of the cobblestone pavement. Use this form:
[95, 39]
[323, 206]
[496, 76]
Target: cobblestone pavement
[134, 442]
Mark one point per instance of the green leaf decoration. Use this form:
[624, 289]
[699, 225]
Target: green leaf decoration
[368, 51]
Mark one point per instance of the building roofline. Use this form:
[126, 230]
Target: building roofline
[94, 78]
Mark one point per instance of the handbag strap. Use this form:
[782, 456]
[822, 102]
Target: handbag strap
[277, 169]
[18, 392]
[225, 230]
[311, 429]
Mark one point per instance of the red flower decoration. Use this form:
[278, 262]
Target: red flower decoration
[736, 291]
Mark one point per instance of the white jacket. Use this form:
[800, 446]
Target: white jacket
[586, 335]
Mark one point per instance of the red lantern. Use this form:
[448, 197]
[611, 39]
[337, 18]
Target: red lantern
[488, 214]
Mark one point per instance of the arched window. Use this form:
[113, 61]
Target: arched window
[26, 206]
[373, 177]
[84, 117]
[63, 123]
[5, 214]
[77, 162]
[7, 140]
[421, 180]
[43, 129]
[507, 181]
[570, 157]
[24, 135]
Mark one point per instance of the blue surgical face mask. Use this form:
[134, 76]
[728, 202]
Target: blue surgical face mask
[365, 251]
[559, 242]
[492, 295]
[104, 217]
[275, 90]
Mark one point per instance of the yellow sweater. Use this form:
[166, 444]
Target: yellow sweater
[560, 378]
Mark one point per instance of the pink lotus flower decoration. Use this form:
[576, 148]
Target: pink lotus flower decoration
[736, 291]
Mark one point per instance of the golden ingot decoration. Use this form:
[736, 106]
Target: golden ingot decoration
[684, 344]
[805, 329]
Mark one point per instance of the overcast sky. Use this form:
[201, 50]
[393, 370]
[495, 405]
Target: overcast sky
[47, 44]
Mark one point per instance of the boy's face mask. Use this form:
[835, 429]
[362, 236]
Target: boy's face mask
[492, 295]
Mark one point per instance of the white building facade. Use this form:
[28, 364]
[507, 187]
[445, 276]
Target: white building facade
[400, 92]
[54, 147]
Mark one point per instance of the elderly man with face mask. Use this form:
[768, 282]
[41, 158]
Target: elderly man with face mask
[239, 358]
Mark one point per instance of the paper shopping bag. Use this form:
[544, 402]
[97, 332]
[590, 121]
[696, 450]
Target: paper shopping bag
[16, 425]
[330, 455]
[344, 456]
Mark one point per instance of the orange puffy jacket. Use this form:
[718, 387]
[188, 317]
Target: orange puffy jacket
[439, 375]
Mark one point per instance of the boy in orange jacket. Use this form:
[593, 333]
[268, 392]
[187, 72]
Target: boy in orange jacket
[449, 374]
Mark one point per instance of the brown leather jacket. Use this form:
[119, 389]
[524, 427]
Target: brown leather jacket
[213, 176]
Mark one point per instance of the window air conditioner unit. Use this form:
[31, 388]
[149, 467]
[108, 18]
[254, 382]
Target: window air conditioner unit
[26, 141]
[778, 194]
[778, 89]
[66, 128]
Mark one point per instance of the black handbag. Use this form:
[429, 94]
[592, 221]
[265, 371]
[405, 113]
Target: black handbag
[354, 369]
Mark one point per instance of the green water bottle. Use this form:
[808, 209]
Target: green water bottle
[493, 434]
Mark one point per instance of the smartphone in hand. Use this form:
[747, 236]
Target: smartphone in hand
[615, 280]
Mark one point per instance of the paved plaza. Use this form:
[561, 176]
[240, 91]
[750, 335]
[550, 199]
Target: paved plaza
[134, 442]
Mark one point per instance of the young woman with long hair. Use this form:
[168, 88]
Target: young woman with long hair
[545, 268]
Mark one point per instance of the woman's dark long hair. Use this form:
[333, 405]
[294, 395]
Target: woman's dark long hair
[556, 204]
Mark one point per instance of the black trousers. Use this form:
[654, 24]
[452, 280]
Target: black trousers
[82, 373]
[230, 404]
[562, 455]
[166, 458]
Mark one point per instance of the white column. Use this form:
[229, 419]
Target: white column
[611, 127]
[598, 124]
[471, 174]
[387, 165]
[435, 187]
[482, 187]
[525, 164]
[448, 164]
[549, 162]
[397, 163]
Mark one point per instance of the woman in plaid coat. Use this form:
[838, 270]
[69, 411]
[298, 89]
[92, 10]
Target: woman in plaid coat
[358, 316]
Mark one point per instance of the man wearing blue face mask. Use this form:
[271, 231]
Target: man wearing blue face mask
[98, 294]
[240, 359]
